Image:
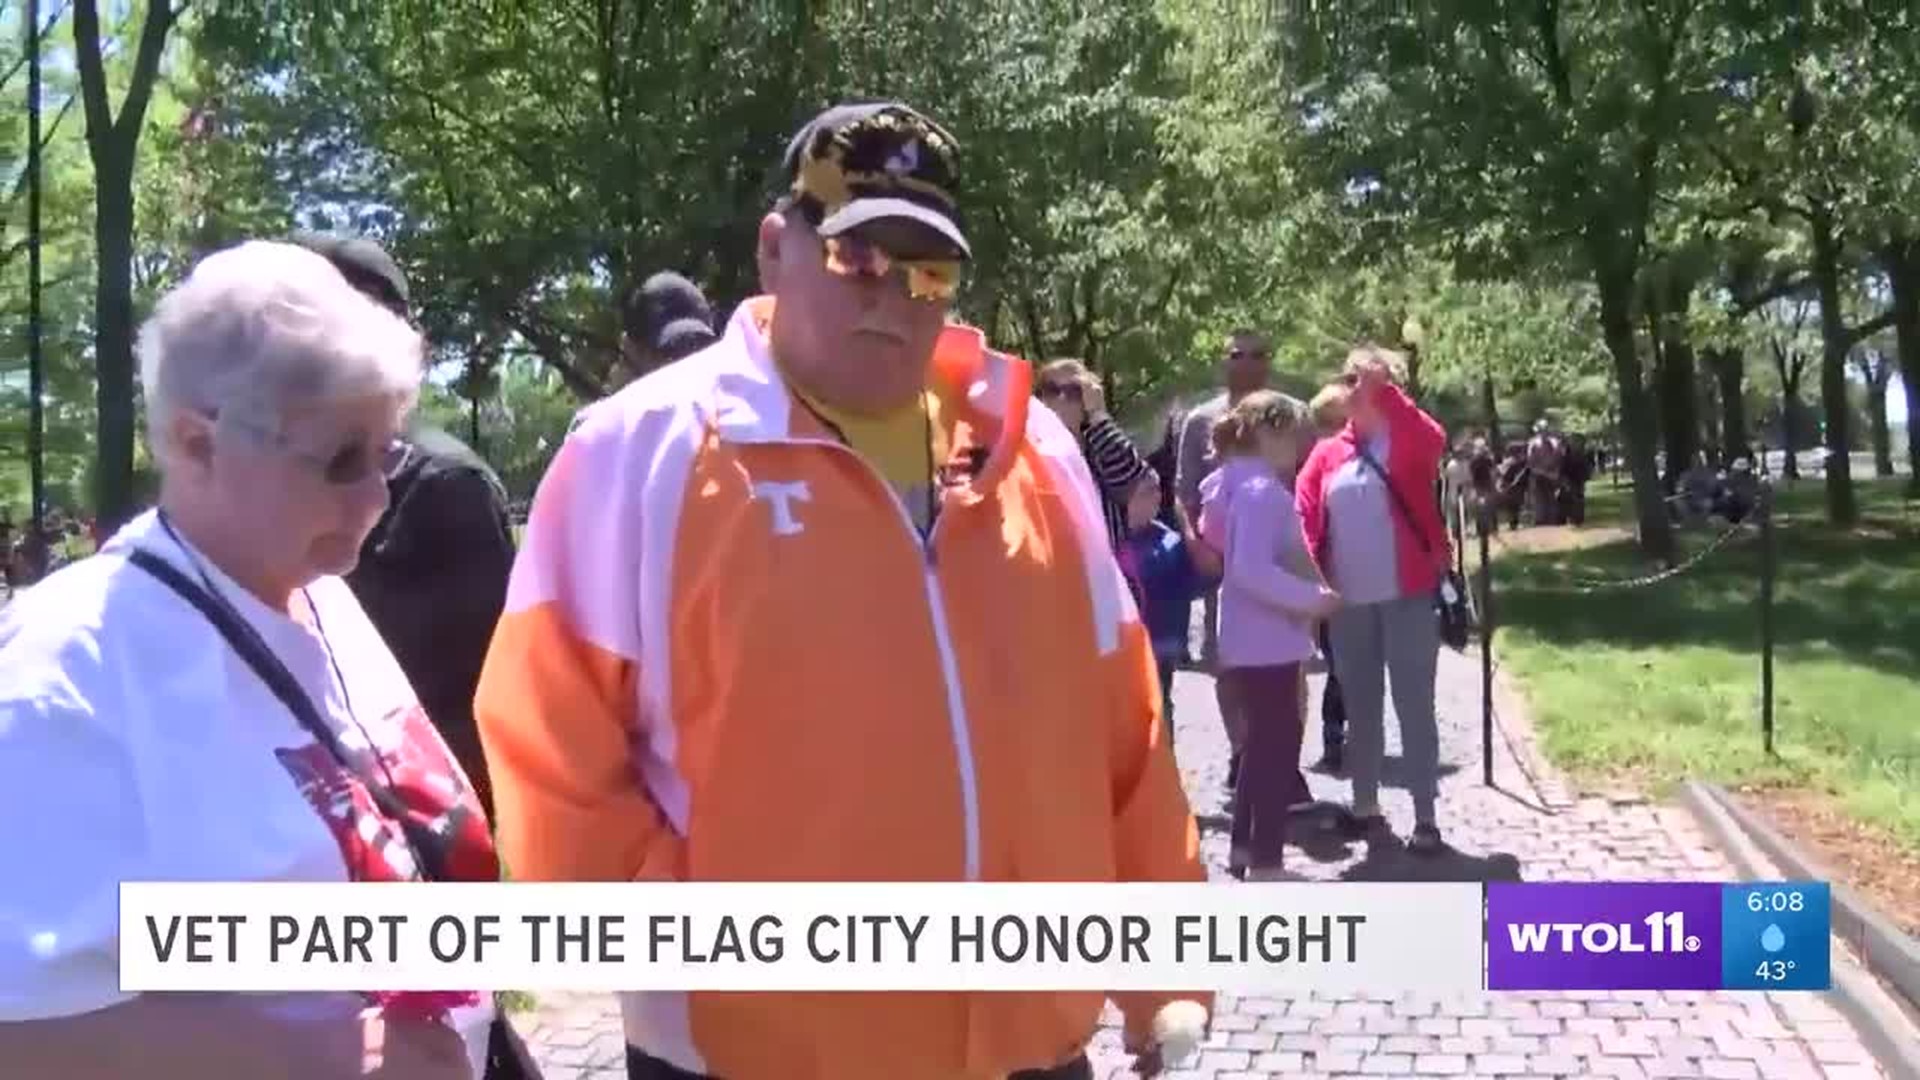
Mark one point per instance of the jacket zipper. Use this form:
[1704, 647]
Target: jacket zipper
[960, 731]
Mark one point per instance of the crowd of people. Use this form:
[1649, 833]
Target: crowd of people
[1542, 479]
[29, 553]
[1314, 539]
[1703, 492]
[322, 656]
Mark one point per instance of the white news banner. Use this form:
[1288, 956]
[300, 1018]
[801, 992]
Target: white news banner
[1244, 938]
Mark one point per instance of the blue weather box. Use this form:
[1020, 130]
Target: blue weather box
[1776, 936]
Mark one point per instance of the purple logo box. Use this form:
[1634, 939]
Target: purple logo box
[1603, 936]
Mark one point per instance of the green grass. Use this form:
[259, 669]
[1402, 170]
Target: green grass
[1662, 683]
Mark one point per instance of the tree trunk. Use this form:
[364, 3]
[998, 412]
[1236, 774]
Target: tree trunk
[1834, 341]
[1730, 376]
[113, 144]
[1790, 431]
[1880, 433]
[1636, 412]
[1707, 394]
[1903, 276]
[1876, 370]
[1679, 417]
[1670, 471]
[113, 338]
[1490, 405]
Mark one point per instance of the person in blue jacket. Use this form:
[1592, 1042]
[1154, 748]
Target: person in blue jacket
[1167, 568]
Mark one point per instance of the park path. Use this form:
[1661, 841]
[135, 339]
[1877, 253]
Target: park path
[1528, 818]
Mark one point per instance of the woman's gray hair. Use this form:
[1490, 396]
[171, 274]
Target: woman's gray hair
[261, 327]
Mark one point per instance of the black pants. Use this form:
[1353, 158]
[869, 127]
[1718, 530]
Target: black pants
[1333, 707]
[1268, 699]
[644, 1066]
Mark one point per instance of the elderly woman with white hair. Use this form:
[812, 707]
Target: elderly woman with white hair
[205, 700]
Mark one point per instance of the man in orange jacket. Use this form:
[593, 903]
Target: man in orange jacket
[827, 601]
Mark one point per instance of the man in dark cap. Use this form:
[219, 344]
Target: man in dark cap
[433, 573]
[681, 689]
[662, 320]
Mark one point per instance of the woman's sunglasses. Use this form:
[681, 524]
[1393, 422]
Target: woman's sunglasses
[351, 463]
[932, 280]
[356, 461]
[1058, 391]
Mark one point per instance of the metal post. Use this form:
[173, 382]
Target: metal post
[1769, 568]
[36, 361]
[1459, 521]
[1486, 657]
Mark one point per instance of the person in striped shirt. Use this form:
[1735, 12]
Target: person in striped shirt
[1073, 392]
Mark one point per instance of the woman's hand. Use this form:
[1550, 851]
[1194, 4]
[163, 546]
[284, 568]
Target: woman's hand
[1325, 604]
[1372, 371]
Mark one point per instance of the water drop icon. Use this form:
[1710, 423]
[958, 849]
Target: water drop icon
[1773, 939]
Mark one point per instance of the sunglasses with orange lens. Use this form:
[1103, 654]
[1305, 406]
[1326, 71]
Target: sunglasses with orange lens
[932, 280]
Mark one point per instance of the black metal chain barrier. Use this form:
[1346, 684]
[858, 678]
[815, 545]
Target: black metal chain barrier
[1589, 586]
[1759, 518]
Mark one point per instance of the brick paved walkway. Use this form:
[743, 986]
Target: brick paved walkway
[1533, 819]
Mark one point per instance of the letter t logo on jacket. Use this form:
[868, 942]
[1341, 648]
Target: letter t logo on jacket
[780, 495]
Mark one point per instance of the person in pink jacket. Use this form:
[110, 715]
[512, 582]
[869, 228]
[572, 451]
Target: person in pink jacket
[1270, 596]
[1366, 498]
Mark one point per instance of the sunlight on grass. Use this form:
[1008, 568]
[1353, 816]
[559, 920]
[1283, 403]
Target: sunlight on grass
[1662, 683]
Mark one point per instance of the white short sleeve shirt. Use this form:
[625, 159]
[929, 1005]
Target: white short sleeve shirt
[135, 744]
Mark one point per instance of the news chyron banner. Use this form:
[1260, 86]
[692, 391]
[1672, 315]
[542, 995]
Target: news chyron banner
[1274, 939]
[1246, 938]
[1659, 936]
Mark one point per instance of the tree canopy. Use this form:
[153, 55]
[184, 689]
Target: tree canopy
[1599, 213]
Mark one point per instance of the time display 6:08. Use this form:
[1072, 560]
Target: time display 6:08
[1783, 900]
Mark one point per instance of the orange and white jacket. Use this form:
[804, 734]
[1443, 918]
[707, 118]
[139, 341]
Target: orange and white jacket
[728, 656]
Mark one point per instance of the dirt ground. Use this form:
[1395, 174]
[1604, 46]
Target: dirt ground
[1549, 538]
[1882, 869]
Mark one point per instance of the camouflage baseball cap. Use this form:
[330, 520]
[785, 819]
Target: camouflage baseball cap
[864, 162]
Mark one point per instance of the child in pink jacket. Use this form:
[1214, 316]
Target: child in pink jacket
[1270, 598]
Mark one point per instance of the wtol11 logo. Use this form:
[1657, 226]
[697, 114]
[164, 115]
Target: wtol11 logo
[1662, 931]
[1603, 936]
[1657, 936]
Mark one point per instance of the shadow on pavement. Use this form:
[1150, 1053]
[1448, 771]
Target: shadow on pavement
[1398, 864]
[1313, 828]
[1393, 771]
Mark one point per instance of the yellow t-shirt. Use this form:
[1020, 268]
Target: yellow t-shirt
[897, 444]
